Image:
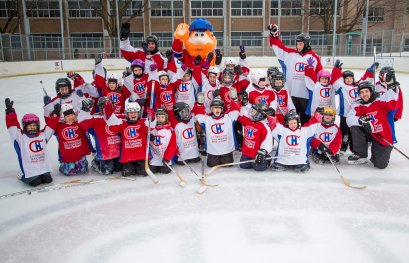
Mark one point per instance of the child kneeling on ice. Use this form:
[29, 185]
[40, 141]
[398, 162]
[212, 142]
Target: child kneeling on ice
[31, 146]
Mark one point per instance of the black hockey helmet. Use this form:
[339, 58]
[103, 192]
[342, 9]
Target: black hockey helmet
[368, 85]
[292, 115]
[227, 73]
[217, 102]
[182, 111]
[63, 82]
[277, 76]
[161, 111]
[101, 103]
[152, 38]
[306, 40]
[271, 70]
[387, 74]
[257, 112]
[348, 73]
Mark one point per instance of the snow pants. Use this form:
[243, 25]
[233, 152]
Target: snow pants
[44, 178]
[213, 160]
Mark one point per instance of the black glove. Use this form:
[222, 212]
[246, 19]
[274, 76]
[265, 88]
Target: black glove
[87, 105]
[46, 100]
[238, 69]
[244, 98]
[320, 110]
[145, 47]
[57, 109]
[9, 106]
[198, 59]
[79, 93]
[324, 149]
[242, 52]
[210, 57]
[152, 137]
[126, 73]
[216, 93]
[169, 54]
[141, 102]
[261, 156]
[393, 86]
[270, 112]
[373, 67]
[338, 63]
[72, 75]
[365, 122]
[98, 58]
[219, 57]
[274, 32]
[125, 30]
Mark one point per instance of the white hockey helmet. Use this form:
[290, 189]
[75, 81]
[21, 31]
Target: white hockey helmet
[132, 106]
[214, 70]
[162, 73]
[230, 61]
[256, 75]
[66, 109]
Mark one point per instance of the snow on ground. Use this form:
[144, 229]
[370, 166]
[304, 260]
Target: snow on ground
[249, 217]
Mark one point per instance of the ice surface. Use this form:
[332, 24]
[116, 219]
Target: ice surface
[249, 217]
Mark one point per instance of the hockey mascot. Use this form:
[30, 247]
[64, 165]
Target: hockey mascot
[193, 41]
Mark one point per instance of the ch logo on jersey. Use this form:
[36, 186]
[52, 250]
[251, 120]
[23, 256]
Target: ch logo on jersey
[353, 93]
[217, 128]
[158, 140]
[227, 97]
[249, 132]
[139, 87]
[36, 146]
[184, 87]
[262, 99]
[300, 67]
[281, 100]
[292, 140]
[70, 133]
[166, 96]
[372, 116]
[131, 133]
[325, 92]
[326, 136]
[114, 97]
[108, 131]
[187, 133]
[209, 94]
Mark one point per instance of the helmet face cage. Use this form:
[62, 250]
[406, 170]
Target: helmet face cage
[63, 82]
[277, 76]
[271, 71]
[101, 103]
[227, 74]
[182, 112]
[329, 112]
[161, 111]
[28, 119]
[387, 74]
[257, 113]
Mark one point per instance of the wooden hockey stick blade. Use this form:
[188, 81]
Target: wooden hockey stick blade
[181, 180]
[155, 179]
[347, 183]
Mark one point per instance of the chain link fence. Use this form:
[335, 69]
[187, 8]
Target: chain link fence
[53, 47]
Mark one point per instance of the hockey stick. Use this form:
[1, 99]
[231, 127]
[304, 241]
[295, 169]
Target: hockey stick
[390, 144]
[202, 179]
[181, 180]
[204, 186]
[155, 180]
[345, 181]
[42, 85]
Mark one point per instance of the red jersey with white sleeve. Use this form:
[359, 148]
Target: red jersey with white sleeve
[219, 130]
[294, 145]
[133, 138]
[378, 111]
[207, 87]
[186, 139]
[294, 64]
[257, 135]
[130, 53]
[32, 153]
[163, 146]
[257, 95]
[72, 141]
[284, 104]
[320, 95]
[330, 136]
[73, 99]
[164, 95]
[381, 89]
[108, 143]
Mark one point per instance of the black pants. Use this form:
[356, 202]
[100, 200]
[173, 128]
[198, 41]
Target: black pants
[238, 133]
[380, 154]
[213, 160]
[300, 105]
[193, 160]
[160, 169]
[106, 166]
[346, 134]
[253, 165]
[134, 168]
[44, 178]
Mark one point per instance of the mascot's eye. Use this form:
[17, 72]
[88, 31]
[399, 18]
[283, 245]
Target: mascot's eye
[196, 34]
[202, 34]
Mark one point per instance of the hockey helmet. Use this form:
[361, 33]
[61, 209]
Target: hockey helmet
[306, 40]
[227, 77]
[66, 109]
[256, 76]
[329, 112]
[292, 115]
[257, 112]
[28, 119]
[387, 75]
[101, 103]
[161, 111]
[182, 111]
[63, 82]
[277, 76]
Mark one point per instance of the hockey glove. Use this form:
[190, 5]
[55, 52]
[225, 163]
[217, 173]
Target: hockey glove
[365, 122]
[242, 52]
[238, 69]
[219, 57]
[200, 98]
[126, 72]
[125, 30]
[72, 75]
[141, 102]
[338, 63]
[310, 62]
[244, 98]
[169, 54]
[79, 93]
[270, 112]
[57, 110]
[373, 67]
[233, 93]
[98, 58]
[210, 57]
[145, 48]
[46, 100]
[393, 86]
[274, 31]
[153, 67]
[320, 110]
[216, 93]
[324, 149]
[198, 59]
[9, 105]
[261, 156]
[87, 105]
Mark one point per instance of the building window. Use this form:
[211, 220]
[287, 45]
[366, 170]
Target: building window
[164, 8]
[129, 8]
[319, 7]
[46, 8]
[165, 39]
[318, 38]
[248, 39]
[8, 8]
[406, 46]
[288, 8]
[136, 39]
[246, 8]
[376, 14]
[370, 43]
[207, 8]
[87, 40]
[80, 8]
[40, 41]
[10, 41]
[219, 37]
[288, 38]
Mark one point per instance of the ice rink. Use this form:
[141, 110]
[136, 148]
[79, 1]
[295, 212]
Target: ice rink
[250, 217]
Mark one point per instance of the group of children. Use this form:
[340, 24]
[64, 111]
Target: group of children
[175, 114]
